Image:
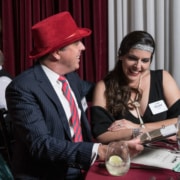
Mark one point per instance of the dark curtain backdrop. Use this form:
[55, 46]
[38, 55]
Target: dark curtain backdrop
[18, 16]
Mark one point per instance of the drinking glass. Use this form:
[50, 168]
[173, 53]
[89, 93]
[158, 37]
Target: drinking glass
[117, 158]
[178, 132]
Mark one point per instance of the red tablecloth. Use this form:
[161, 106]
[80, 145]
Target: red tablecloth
[99, 172]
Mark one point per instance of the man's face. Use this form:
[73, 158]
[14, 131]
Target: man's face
[70, 55]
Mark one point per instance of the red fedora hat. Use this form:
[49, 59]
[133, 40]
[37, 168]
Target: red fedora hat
[54, 33]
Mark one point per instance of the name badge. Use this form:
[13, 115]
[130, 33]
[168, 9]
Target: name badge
[158, 107]
[84, 103]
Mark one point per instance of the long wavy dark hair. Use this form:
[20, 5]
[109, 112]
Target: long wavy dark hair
[118, 92]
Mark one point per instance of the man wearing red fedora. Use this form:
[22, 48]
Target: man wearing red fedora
[46, 102]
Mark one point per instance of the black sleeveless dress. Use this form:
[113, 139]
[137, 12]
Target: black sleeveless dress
[101, 119]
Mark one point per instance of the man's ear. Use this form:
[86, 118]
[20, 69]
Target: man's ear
[56, 54]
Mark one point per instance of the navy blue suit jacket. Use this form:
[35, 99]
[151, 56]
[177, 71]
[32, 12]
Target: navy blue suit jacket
[43, 148]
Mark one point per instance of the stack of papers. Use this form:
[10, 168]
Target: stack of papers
[161, 158]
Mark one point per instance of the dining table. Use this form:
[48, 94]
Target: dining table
[136, 172]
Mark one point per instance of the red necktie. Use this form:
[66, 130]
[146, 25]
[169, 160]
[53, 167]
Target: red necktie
[74, 113]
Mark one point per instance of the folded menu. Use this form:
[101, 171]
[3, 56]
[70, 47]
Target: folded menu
[159, 134]
[157, 157]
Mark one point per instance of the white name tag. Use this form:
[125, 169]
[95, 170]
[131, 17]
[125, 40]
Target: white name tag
[158, 107]
[84, 103]
[169, 130]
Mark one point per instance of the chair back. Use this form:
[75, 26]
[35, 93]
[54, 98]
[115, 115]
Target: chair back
[6, 135]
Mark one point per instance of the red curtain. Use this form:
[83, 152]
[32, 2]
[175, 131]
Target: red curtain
[18, 16]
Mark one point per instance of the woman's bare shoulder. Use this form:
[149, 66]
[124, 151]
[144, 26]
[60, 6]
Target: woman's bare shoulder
[100, 84]
[99, 98]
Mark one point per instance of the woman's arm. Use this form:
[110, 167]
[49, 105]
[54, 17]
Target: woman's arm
[99, 98]
[109, 136]
[101, 119]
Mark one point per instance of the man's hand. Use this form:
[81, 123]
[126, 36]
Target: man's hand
[135, 147]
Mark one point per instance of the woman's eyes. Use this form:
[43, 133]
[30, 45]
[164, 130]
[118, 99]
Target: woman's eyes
[145, 60]
[134, 58]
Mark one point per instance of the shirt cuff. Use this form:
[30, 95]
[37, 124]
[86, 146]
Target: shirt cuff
[94, 153]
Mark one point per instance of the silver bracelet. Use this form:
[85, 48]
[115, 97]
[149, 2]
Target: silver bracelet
[136, 132]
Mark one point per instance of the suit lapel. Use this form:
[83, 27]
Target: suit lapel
[46, 86]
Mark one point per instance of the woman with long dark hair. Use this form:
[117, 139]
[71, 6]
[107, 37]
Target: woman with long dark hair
[132, 98]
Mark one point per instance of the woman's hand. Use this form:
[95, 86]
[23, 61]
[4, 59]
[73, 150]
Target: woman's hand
[122, 124]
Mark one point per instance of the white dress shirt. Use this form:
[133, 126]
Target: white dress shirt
[4, 81]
